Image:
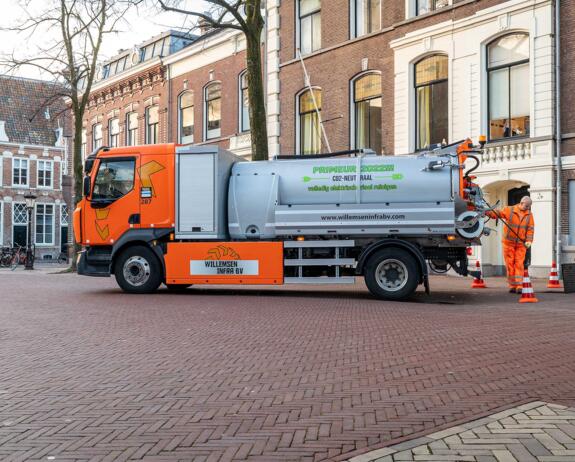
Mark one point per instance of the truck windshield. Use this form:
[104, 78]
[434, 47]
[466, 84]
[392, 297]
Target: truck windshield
[115, 179]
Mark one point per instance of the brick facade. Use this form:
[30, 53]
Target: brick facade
[36, 128]
[337, 47]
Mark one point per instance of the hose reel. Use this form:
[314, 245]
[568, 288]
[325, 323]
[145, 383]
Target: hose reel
[470, 225]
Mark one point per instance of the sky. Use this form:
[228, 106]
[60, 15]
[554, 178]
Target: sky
[138, 26]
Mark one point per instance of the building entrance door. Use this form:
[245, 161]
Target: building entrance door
[515, 195]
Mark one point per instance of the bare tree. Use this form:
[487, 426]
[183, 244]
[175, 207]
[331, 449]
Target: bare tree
[245, 16]
[74, 30]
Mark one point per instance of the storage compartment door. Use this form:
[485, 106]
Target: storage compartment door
[196, 194]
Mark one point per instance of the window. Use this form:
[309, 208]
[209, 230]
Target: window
[427, 6]
[213, 110]
[96, 136]
[508, 86]
[19, 172]
[115, 179]
[19, 224]
[64, 217]
[114, 132]
[367, 112]
[309, 126]
[131, 128]
[45, 224]
[309, 26]
[186, 117]
[244, 103]
[84, 143]
[45, 173]
[152, 124]
[366, 16]
[431, 107]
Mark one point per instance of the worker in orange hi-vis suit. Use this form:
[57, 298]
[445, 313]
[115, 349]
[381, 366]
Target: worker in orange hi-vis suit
[518, 230]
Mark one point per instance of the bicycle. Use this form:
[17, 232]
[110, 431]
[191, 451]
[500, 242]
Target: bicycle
[18, 257]
[5, 256]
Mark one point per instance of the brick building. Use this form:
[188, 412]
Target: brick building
[399, 76]
[33, 159]
[172, 88]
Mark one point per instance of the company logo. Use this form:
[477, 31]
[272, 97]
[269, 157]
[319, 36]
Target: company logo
[223, 261]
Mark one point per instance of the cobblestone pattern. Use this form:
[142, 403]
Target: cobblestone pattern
[534, 432]
[257, 374]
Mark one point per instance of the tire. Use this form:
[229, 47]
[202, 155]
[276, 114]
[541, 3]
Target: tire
[177, 288]
[138, 271]
[392, 274]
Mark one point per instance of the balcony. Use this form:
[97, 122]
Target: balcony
[507, 152]
[241, 145]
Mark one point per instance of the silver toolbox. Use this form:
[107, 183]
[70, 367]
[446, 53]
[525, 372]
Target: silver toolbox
[202, 177]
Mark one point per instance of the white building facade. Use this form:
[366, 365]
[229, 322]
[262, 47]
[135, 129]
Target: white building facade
[498, 81]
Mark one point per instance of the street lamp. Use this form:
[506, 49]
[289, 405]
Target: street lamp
[30, 199]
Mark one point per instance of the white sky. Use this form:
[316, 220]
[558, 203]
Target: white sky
[138, 26]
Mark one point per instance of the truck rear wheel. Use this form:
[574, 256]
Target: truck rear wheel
[138, 270]
[392, 274]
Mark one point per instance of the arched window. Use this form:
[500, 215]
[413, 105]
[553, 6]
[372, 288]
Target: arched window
[431, 101]
[186, 117]
[309, 127]
[366, 16]
[509, 101]
[367, 112]
[152, 124]
[213, 110]
[244, 103]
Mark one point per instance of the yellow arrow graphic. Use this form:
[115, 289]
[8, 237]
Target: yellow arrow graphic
[104, 232]
[146, 171]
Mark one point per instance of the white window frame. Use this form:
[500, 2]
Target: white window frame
[180, 137]
[352, 103]
[298, 30]
[411, 9]
[84, 144]
[117, 135]
[27, 185]
[20, 224]
[207, 136]
[297, 119]
[353, 19]
[51, 162]
[147, 123]
[35, 221]
[240, 104]
[128, 142]
[94, 147]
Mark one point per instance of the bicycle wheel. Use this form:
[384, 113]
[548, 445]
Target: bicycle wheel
[15, 261]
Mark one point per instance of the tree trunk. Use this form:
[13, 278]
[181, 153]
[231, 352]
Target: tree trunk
[77, 172]
[258, 122]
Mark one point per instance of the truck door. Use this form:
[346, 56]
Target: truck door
[156, 175]
[114, 205]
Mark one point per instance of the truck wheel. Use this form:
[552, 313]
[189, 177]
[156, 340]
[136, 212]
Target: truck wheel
[392, 274]
[138, 270]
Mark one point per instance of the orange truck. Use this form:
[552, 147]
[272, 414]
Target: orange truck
[184, 215]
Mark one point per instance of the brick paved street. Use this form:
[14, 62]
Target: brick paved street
[302, 374]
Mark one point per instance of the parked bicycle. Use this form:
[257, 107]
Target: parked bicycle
[6, 254]
[18, 257]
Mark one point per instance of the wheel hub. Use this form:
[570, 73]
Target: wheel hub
[136, 270]
[391, 275]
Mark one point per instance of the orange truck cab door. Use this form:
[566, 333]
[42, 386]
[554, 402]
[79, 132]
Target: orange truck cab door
[114, 203]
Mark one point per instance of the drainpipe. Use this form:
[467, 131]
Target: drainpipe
[558, 134]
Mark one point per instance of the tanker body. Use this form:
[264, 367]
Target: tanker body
[184, 215]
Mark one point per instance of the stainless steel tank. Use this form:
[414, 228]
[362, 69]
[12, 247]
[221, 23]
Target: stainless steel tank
[363, 195]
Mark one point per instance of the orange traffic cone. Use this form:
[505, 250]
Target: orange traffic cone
[478, 282]
[553, 278]
[527, 294]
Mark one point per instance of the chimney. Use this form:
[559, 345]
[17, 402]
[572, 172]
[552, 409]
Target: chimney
[204, 26]
[3, 135]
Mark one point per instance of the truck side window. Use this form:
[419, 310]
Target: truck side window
[115, 179]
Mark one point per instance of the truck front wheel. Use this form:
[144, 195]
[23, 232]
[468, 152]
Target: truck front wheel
[138, 270]
[392, 274]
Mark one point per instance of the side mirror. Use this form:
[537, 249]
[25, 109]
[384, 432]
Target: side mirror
[87, 185]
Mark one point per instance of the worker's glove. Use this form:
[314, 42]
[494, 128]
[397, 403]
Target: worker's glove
[528, 245]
